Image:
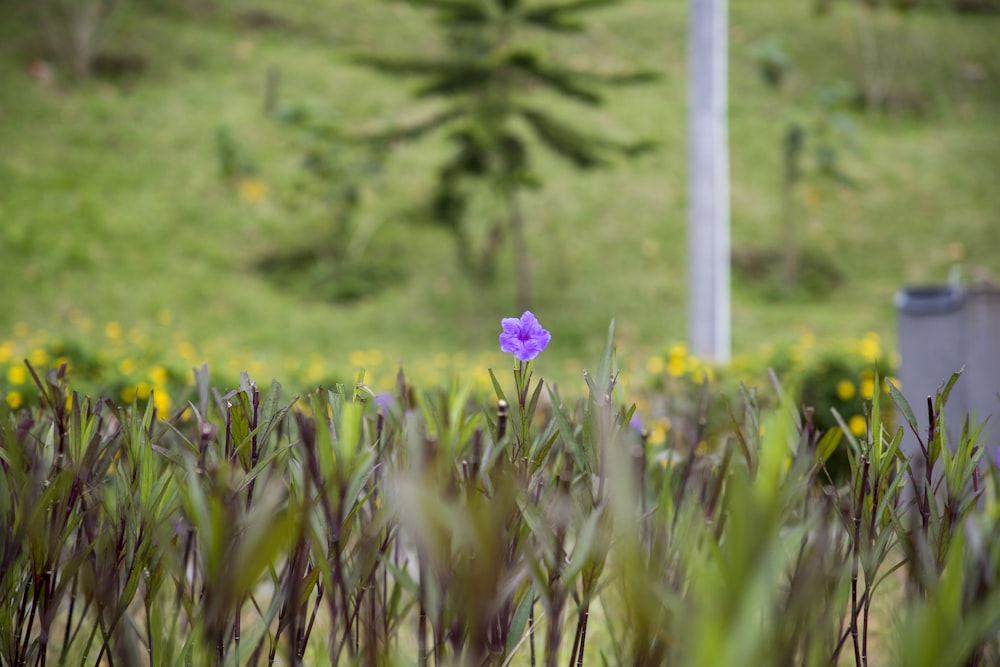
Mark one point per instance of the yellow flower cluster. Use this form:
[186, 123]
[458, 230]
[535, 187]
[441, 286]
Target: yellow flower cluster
[679, 363]
[804, 359]
[140, 364]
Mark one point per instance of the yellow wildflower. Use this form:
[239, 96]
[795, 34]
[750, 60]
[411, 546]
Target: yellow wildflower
[845, 390]
[253, 190]
[38, 357]
[357, 358]
[676, 366]
[870, 348]
[678, 350]
[315, 372]
[16, 375]
[658, 435]
[867, 388]
[655, 365]
[126, 366]
[702, 374]
[6, 350]
[128, 394]
[142, 390]
[162, 401]
[159, 375]
[857, 424]
[113, 331]
[14, 399]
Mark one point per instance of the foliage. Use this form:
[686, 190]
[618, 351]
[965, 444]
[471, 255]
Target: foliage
[490, 83]
[885, 51]
[831, 382]
[335, 255]
[813, 139]
[426, 526]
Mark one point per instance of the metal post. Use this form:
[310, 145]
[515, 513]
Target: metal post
[708, 205]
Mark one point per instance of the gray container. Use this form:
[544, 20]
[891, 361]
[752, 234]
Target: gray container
[943, 330]
[982, 361]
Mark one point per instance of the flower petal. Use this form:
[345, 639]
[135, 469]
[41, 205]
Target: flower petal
[523, 337]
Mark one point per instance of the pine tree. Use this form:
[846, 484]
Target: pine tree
[487, 90]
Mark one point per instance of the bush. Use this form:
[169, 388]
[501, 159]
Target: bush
[824, 379]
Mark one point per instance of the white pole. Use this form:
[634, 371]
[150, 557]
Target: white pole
[708, 204]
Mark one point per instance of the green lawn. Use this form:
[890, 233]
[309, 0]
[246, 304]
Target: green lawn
[111, 202]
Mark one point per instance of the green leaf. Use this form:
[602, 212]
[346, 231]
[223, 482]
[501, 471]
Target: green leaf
[558, 13]
[904, 406]
[271, 415]
[846, 430]
[265, 539]
[497, 388]
[519, 621]
[565, 430]
[946, 391]
[827, 445]
[406, 65]
[533, 402]
[459, 81]
[625, 78]
[562, 139]
[264, 464]
[607, 360]
[583, 548]
[560, 80]
[240, 415]
[468, 11]
[415, 130]
[349, 431]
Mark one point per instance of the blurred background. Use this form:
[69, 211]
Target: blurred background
[308, 188]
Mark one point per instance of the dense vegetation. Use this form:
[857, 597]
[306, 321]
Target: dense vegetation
[424, 527]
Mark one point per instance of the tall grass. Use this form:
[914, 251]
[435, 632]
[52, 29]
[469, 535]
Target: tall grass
[426, 527]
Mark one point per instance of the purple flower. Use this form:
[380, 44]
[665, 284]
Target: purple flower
[524, 337]
[384, 400]
[636, 422]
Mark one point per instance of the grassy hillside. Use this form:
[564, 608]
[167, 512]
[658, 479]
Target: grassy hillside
[112, 207]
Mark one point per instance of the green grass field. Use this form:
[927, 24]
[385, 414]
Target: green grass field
[112, 207]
